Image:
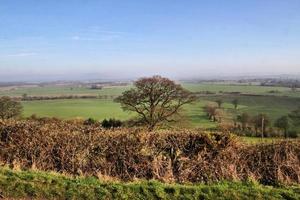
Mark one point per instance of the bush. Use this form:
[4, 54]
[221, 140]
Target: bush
[293, 134]
[9, 108]
[90, 121]
[111, 123]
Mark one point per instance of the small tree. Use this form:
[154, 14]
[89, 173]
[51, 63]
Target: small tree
[211, 111]
[235, 103]
[283, 123]
[9, 108]
[156, 100]
[244, 119]
[220, 114]
[219, 102]
[24, 96]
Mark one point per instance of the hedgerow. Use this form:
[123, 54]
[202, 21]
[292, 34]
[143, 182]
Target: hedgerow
[128, 154]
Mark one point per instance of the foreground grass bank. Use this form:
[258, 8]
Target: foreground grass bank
[42, 185]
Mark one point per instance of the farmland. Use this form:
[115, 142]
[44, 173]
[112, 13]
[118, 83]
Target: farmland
[255, 99]
[116, 90]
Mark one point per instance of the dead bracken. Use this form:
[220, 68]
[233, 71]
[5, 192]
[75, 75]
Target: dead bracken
[127, 154]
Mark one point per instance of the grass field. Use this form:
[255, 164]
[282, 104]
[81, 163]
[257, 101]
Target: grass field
[62, 90]
[73, 108]
[43, 185]
[117, 90]
[100, 109]
[273, 104]
[247, 89]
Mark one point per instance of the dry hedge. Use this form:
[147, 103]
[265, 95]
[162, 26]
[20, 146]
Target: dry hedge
[126, 154]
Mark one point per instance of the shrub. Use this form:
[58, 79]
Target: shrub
[90, 121]
[293, 134]
[111, 123]
[9, 108]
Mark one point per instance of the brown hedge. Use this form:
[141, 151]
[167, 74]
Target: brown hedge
[126, 154]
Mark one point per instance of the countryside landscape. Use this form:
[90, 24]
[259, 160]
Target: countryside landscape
[140, 100]
[81, 101]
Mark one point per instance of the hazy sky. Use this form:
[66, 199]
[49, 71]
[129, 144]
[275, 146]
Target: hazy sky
[126, 38]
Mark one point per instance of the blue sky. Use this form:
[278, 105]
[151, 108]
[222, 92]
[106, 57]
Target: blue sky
[118, 39]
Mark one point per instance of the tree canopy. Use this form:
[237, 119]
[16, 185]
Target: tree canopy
[9, 108]
[295, 117]
[156, 100]
[244, 119]
[283, 123]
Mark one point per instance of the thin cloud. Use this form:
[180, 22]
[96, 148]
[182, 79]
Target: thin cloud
[25, 54]
[97, 29]
[96, 33]
[99, 38]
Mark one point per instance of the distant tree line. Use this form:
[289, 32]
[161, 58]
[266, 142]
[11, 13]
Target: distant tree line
[291, 83]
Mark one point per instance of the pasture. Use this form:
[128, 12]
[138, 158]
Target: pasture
[117, 90]
[61, 90]
[260, 100]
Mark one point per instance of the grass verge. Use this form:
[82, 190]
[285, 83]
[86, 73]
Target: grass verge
[45, 185]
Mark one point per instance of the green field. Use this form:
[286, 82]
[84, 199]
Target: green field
[247, 89]
[273, 104]
[61, 90]
[116, 90]
[100, 109]
[43, 185]
[75, 108]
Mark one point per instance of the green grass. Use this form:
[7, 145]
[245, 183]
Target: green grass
[99, 109]
[247, 89]
[62, 90]
[73, 108]
[274, 106]
[256, 140]
[117, 90]
[43, 185]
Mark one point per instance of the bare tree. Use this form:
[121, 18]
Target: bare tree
[156, 100]
[9, 108]
[211, 112]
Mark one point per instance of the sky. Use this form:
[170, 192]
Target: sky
[107, 39]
